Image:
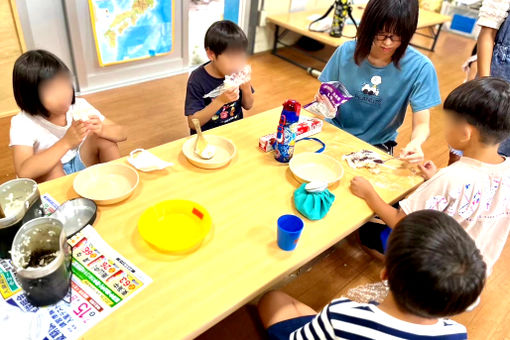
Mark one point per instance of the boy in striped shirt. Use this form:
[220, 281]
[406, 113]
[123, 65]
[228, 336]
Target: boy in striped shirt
[434, 270]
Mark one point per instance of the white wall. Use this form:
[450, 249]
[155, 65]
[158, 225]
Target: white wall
[264, 34]
[44, 27]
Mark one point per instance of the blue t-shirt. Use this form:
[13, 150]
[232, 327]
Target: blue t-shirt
[381, 94]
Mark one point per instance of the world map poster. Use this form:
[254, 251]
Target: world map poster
[127, 30]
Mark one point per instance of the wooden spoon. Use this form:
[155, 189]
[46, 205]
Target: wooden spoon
[202, 148]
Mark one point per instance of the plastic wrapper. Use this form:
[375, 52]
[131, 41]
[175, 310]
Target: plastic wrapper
[233, 80]
[371, 292]
[336, 94]
[82, 114]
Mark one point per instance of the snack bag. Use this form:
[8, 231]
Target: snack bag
[336, 93]
[233, 80]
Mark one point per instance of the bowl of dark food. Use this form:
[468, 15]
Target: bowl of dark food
[41, 258]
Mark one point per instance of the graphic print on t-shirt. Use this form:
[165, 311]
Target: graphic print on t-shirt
[369, 92]
[226, 114]
[372, 90]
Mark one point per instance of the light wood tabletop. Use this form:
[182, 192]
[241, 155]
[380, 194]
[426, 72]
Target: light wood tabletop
[299, 21]
[241, 259]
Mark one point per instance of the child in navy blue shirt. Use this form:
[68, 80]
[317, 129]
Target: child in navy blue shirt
[225, 44]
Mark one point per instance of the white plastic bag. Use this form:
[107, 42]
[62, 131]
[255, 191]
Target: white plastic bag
[233, 80]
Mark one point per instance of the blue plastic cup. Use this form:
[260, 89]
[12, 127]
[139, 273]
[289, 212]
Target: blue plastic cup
[289, 231]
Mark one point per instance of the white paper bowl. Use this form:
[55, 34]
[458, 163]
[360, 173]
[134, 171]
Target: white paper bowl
[315, 167]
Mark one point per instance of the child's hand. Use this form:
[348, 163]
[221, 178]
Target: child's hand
[76, 133]
[94, 125]
[246, 74]
[245, 87]
[428, 170]
[361, 187]
[412, 153]
[229, 96]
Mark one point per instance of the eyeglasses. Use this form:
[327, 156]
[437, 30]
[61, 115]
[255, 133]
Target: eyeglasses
[383, 37]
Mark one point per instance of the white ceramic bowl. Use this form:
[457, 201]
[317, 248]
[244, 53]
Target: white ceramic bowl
[107, 183]
[225, 151]
[316, 167]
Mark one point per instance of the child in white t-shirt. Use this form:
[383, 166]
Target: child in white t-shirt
[56, 134]
[475, 190]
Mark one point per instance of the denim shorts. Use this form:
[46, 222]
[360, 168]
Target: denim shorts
[74, 165]
[282, 330]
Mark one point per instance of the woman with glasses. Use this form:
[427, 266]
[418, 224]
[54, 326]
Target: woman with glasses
[384, 75]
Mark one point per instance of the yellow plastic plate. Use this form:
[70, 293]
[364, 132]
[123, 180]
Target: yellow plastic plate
[175, 226]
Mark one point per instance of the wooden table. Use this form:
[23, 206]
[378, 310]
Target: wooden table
[298, 22]
[241, 260]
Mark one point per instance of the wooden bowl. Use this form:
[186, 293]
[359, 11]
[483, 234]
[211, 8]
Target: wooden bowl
[107, 183]
[225, 151]
[311, 167]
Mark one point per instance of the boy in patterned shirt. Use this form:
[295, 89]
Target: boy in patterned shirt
[475, 190]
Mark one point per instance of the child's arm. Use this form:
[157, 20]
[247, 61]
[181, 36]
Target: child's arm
[106, 129]
[363, 189]
[491, 16]
[248, 97]
[30, 165]
[205, 115]
[486, 40]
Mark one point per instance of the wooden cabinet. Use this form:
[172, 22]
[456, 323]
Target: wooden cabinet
[11, 47]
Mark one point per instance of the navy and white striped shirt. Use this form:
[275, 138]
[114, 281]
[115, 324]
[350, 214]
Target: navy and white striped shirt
[346, 319]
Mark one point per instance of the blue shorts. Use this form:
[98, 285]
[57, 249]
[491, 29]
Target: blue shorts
[74, 165]
[282, 330]
[375, 236]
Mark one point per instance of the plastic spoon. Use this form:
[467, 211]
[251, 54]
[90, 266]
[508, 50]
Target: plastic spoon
[382, 163]
[202, 148]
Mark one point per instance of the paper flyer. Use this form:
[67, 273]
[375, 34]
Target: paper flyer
[102, 281]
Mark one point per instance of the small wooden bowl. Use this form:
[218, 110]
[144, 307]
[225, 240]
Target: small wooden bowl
[107, 183]
[225, 151]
